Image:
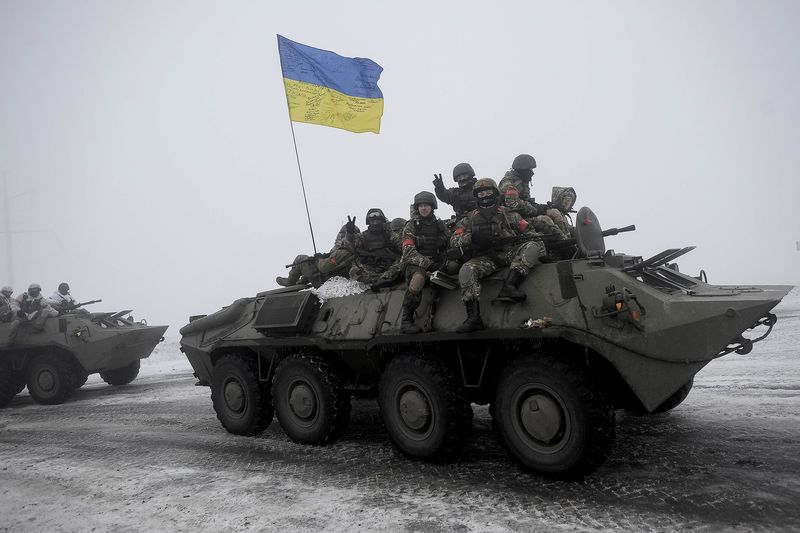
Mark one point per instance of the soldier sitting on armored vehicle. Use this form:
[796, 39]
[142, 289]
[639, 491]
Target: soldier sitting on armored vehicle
[32, 308]
[377, 250]
[461, 197]
[8, 305]
[425, 241]
[63, 302]
[515, 188]
[319, 268]
[497, 238]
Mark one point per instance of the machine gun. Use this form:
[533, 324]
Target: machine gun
[66, 308]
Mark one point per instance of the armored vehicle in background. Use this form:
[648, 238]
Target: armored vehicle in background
[598, 332]
[54, 362]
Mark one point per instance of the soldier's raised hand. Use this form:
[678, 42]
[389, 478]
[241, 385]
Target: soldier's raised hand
[350, 227]
[437, 181]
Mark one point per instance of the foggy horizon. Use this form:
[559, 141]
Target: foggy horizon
[149, 160]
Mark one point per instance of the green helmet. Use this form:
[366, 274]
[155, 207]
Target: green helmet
[425, 197]
[463, 168]
[397, 224]
[483, 184]
[375, 215]
[524, 162]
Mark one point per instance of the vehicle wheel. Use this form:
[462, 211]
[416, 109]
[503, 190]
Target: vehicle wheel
[424, 409]
[551, 419]
[120, 376]
[669, 404]
[310, 401]
[8, 385]
[50, 379]
[241, 401]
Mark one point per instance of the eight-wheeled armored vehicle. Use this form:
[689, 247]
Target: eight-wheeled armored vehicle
[598, 332]
[54, 362]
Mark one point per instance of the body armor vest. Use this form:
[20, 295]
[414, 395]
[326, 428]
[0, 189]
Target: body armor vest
[463, 201]
[431, 237]
[376, 249]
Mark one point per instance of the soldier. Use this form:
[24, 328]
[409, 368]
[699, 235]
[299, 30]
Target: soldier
[32, 307]
[515, 187]
[377, 249]
[425, 240]
[491, 232]
[8, 306]
[559, 208]
[460, 197]
[398, 225]
[318, 269]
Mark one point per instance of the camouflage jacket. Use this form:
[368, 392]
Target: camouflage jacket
[515, 194]
[425, 241]
[378, 246]
[495, 231]
[462, 199]
[29, 305]
[8, 306]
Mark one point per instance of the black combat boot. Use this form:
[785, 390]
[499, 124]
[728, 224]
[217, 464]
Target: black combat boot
[410, 303]
[283, 282]
[510, 291]
[473, 321]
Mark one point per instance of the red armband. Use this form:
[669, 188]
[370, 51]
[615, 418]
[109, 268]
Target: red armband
[408, 242]
[523, 225]
[459, 231]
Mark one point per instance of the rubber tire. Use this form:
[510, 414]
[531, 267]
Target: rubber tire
[585, 434]
[667, 405]
[54, 368]
[239, 375]
[121, 376]
[446, 433]
[330, 411]
[80, 374]
[8, 385]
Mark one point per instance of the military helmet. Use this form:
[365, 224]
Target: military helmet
[7, 290]
[484, 184]
[397, 224]
[63, 286]
[523, 162]
[375, 215]
[34, 287]
[425, 197]
[463, 168]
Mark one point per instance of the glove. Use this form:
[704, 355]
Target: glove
[350, 227]
[438, 183]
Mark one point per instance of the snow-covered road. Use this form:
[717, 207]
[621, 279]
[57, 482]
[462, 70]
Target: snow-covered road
[152, 456]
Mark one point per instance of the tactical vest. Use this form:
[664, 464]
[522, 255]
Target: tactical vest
[431, 237]
[463, 201]
[376, 249]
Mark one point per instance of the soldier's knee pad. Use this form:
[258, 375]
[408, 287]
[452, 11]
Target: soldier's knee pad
[466, 275]
[416, 282]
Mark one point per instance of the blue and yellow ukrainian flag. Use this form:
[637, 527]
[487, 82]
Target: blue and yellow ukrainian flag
[331, 90]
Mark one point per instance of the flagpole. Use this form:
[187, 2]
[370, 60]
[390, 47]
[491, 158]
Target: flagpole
[302, 185]
[297, 156]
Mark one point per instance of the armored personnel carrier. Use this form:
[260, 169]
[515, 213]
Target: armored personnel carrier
[598, 332]
[54, 362]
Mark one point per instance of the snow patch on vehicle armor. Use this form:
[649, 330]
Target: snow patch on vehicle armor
[337, 286]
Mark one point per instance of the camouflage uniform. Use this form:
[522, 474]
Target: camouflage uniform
[8, 305]
[316, 269]
[490, 235]
[516, 195]
[32, 308]
[559, 212]
[377, 250]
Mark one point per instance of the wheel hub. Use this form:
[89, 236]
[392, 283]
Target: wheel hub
[541, 417]
[302, 401]
[414, 409]
[46, 381]
[234, 396]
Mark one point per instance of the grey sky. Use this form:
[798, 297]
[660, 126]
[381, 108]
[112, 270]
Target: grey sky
[148, 142]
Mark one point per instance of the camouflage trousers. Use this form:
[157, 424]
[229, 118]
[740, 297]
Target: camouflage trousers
[553, 223]
[522, 259]
[369, 274]
[317, 271]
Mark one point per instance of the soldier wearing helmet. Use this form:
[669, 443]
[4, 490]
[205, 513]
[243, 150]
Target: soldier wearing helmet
[32, 308]
[318, 269]
[425, 240]
[377, 250]
[498, 238]
[515, 187]
[8, 306]
[460, 197]
[63, 302]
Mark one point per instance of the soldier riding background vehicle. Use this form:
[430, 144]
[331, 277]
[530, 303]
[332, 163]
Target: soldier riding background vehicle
[55, 361]
[597, 332]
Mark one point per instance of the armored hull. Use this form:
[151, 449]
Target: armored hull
[597, 333]
[55, 361]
